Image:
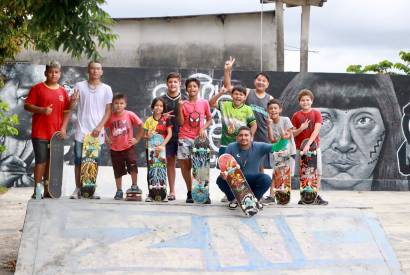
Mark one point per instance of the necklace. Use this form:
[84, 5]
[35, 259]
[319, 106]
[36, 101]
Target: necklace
[93, 89]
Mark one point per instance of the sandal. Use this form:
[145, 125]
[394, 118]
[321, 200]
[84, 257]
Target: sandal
[171, 197]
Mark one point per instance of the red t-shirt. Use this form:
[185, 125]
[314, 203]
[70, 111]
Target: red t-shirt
[44, 126]
[121, 129]
[194, 116]
[299, 117]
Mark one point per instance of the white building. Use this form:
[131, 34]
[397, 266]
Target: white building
[185, 34]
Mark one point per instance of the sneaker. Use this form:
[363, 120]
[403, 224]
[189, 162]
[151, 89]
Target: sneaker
[268, 200]
[320, 201]
[136, 189]
[259, 205]
[171, 197]
[76, 194]
[224, 199]
[119, 195]
[189, 198]
[233, 204]
[148, 199]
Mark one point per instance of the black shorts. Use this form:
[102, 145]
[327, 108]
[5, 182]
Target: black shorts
[41, 148]
[171, 148]
[124, 161]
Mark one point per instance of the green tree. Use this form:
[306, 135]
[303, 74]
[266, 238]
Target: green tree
[7, 123]
[385, 66]
[73, 26]
[76, 27]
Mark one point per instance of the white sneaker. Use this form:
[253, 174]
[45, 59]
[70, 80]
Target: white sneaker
[76, 194]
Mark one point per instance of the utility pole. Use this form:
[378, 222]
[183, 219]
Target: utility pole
[280, 41]
[304, 38]
[304, 29]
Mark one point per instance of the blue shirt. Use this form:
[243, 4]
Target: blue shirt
[250, 160]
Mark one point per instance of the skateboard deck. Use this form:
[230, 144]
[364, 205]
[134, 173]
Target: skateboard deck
[200, 170]
[308, 178]
[89, 165]
[282, 176]
[238, 184]
[132, 196]
[55, 176]
[157, 169]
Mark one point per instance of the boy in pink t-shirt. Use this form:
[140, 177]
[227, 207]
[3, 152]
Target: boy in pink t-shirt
[192, 115]
[122, 143]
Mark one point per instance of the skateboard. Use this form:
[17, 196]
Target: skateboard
[200, 170]
[238, 184]
[157, 169]
[282, 176]
[55, 176]
[308, 178]
[89, 165]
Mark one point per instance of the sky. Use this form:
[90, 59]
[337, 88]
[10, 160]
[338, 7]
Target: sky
[342, 32]
[345, 32]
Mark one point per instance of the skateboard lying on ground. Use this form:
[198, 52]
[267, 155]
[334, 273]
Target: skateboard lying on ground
[308, 178]
[238, 184]
[157, 169]
[55, 176]
[89, 165]
[200, 170]
[282, 176]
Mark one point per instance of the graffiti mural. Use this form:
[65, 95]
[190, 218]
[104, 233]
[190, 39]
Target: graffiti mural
[403, 154]
[362, 139]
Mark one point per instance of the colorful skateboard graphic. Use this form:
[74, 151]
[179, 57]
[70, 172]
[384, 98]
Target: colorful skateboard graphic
[55, 177]
[282, 176]
[157, 169]
[238, 184]
[89, 165]
[308, 174]
[200, 170]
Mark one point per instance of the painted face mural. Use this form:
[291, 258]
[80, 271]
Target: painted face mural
[351, 141]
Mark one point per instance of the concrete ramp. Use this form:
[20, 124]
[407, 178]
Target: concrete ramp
[108, 237]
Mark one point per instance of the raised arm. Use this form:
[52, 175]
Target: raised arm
[213, 102]
[228, 73]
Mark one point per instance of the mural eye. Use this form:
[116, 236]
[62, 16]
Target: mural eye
[327, 123]
[364, 122]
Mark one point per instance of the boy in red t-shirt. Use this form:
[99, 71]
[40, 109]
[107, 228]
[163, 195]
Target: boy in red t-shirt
[122, 143]
[307, 123]
[50, 105]
[192, 116]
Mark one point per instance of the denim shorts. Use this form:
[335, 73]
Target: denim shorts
[78, 152]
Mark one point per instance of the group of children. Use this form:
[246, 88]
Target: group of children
[179, 120]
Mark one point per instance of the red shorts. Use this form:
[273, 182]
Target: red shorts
[124, 161]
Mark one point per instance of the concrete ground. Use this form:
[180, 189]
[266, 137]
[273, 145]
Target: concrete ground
[357, 233]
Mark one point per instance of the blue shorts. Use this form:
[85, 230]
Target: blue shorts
[78, 152]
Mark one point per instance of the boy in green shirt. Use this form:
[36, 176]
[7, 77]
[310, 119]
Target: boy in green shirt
[235, 114]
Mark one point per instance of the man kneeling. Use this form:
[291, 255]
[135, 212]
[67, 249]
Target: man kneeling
[249, 155]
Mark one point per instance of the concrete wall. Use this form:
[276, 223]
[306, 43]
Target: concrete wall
[186, 42]
[363, 139]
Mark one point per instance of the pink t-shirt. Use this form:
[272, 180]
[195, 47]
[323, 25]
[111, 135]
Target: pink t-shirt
[121, 129]
[194, 116]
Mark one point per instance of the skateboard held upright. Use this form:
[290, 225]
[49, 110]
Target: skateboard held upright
[89, 165]
[282, 176]
[309, 183]
[157, 169]
[200, 170]
[55, 176]
[238, 184]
